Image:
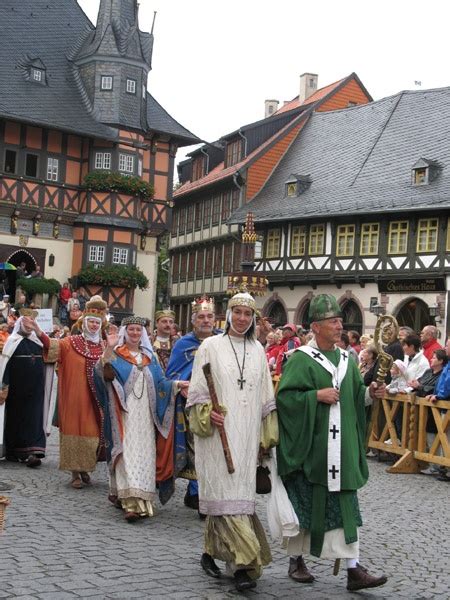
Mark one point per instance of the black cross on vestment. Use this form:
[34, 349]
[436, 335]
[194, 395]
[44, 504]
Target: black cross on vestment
[334, 431]
[317, 355]
[241, 382]
[333, 471]
[344, 356]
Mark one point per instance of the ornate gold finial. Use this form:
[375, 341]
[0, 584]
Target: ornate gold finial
[249, 235]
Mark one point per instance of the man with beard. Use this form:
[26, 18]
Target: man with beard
[163, 343]
[180, 367]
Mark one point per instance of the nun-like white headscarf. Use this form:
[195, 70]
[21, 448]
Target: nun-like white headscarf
[88, 335]
[145, 344]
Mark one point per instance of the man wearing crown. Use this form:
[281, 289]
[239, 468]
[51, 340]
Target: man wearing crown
[163, 343]
[247, 414]
[22, 378]
[180, 367]
[80, 417]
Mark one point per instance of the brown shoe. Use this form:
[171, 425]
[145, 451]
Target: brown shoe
[298, 571]
[131, 517]
[359, 579]
[76, 481]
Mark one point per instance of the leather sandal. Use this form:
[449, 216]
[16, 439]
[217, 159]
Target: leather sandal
[76, 482]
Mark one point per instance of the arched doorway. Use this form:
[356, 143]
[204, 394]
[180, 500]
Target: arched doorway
[20, 256]
[414, 313]
[303, 315]
[277, 314]
[352, 316]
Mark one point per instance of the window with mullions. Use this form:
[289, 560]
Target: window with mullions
[191, 265]
[198, 216]
[175, 268]
[316, 240]
[207, 213]
[208, 261]
[398, 237]
[120, 256]
[200, 260]
[218, 260]
[227, 258]
[131, 86]
[96, 254]
[370, 237]
[174, 228]
[126, 163]
[183, 266]
[182, 221]
[198, 168]
[106, 83]
[298, 241]
[226, 206]
[233, 153]
[189, 217]
[52, 169]
[216, 210]
[427, 235]
[103, 161]
[273, 243]
[345, 240]
[234, 200]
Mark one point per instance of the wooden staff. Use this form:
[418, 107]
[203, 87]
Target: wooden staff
[216, 408]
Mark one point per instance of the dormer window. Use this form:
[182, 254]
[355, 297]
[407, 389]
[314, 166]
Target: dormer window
[425, 171]
[296, 185]
[198, 168]
[233, 153]
[106, 83]
[37, 74]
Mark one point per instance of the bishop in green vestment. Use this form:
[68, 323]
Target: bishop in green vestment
[321, 455]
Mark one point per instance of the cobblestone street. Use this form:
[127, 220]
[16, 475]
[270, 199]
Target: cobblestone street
[63, 543]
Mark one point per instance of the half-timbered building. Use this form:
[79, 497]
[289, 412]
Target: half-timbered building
[73, 99]
[359, 206]
[219, 178]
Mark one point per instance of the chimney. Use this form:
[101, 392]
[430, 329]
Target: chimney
[270, 107]
[308, 85]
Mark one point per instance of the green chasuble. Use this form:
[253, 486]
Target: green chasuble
[303, 447]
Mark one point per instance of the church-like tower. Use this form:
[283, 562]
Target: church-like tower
[114, 62]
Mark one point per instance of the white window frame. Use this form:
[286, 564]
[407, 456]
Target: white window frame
[126, 163]
[131, 86]
[120, 256]
[144, 90]
[52, 169]
[37, 74]
[106, 84]
[140, 167]
[96, 254]
[103, 161]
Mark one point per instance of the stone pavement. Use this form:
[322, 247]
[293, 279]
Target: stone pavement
[60, 543]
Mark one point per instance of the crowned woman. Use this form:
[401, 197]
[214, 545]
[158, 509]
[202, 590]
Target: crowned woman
[80, 417]
[136, 398]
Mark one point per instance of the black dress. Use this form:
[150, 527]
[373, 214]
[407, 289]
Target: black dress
[24, 414]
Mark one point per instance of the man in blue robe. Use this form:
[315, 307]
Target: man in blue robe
[180, 368]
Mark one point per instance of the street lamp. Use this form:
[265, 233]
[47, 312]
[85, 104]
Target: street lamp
[435, 312]
[378, 309]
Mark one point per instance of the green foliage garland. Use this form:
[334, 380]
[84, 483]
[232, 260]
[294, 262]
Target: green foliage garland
[39, 285]
[108, 181]
[114, 276]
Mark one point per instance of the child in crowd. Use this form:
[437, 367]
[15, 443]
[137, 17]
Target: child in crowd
[398, 384]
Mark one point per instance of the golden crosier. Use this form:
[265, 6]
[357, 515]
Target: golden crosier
[386, 331]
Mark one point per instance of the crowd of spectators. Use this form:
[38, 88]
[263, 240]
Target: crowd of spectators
[420, 365]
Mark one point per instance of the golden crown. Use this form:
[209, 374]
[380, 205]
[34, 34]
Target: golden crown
[242, 299]
[203, 303]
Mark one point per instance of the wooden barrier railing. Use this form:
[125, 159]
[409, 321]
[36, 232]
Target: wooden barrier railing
[412, 445]
[439, 450]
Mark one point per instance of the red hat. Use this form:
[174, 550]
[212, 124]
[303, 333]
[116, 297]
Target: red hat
[290, 326]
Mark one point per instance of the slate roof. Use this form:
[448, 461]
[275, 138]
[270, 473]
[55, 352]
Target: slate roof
[48, 31]
[160, 121]
[287, 115]
[360, 161]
